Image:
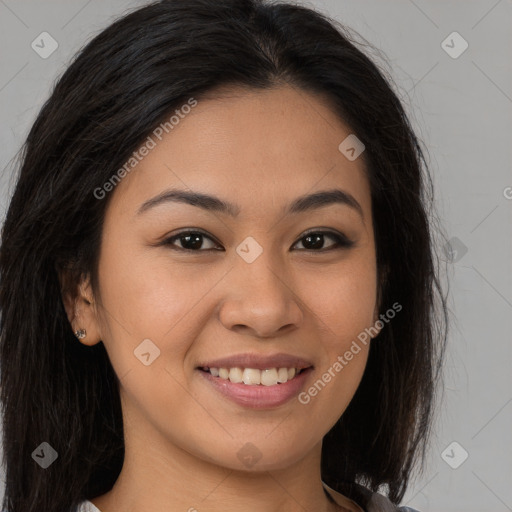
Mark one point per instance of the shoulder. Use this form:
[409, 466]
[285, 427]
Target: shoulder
[87, 506]
[380, 503]
[344, 501]
[364, 500]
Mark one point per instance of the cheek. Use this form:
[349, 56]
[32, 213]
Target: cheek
[343, 305]
[342, 300]
[147, 294]
[145, 297]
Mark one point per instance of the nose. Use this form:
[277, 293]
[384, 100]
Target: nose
[260, 300]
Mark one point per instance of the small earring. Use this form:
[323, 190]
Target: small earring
[80, 334]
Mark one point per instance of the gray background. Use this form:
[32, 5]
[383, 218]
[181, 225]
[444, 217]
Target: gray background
[461, 108]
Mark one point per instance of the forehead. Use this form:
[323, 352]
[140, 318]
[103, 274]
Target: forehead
[256, 148]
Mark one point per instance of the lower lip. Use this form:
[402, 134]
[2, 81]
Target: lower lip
[258, 396]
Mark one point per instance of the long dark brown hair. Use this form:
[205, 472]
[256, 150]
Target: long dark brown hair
[118, 88]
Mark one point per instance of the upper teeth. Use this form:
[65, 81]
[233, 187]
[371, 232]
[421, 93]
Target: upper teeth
[253, 376]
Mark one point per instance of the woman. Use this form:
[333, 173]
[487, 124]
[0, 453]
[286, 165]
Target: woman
[219, 283]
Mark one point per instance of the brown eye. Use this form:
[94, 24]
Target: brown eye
[194, 240]
[190, 241]
[314, 241]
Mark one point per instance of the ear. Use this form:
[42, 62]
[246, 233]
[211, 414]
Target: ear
[80, 306]
[382, 280]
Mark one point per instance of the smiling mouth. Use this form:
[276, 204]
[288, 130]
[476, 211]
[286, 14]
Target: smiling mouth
[254, 376]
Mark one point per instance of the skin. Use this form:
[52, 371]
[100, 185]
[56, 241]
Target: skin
[260, 150]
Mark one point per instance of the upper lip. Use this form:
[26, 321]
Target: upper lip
[257, 361]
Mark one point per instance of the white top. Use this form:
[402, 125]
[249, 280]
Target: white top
[87, 506]
[377, 503]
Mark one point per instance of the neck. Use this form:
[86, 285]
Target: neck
[171, 479]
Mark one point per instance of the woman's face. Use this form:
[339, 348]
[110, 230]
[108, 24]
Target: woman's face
[252, 291]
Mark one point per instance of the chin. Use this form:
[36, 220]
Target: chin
[252, 457]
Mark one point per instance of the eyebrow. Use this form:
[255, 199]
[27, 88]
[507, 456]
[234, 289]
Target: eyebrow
[212, 203]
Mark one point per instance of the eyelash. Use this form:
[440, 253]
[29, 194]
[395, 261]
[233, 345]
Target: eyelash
[342, 242]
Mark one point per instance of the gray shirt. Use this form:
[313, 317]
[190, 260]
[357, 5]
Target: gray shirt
[366, 500]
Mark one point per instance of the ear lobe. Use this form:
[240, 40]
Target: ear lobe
[78, 301]
[376, 314]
